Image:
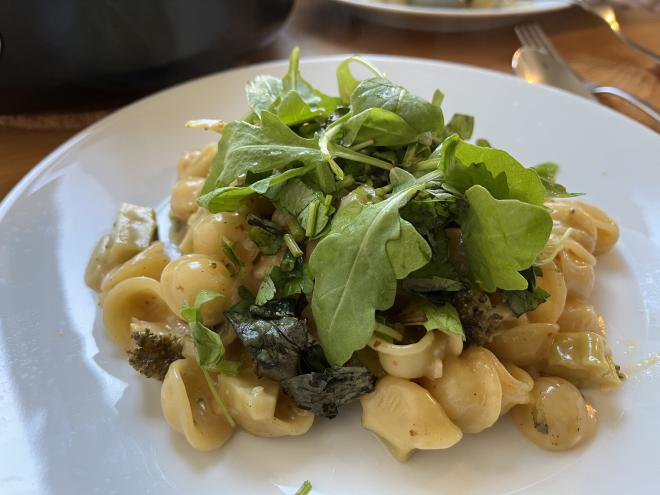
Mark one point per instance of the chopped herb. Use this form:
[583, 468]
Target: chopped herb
[291, 243]
[325, 392]
[275, 344]
[228, 248]
[304, 489]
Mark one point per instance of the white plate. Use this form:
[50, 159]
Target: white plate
[446, 19]
[75, 418]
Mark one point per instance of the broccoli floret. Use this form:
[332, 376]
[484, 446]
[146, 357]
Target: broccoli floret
[154, 352]
[477, 314]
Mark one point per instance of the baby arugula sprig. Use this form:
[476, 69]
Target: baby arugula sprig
[376, 176]
[208, 345]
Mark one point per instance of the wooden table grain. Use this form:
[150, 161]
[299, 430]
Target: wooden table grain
[319, 28]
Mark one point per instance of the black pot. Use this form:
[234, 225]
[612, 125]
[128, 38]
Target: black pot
[64, 53]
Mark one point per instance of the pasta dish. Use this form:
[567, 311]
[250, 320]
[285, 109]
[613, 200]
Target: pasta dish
[360, 247]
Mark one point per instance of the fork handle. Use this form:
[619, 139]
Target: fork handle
[632, 99]
[644, 51]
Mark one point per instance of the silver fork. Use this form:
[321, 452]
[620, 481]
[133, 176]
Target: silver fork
[557, 72]
[608, 15]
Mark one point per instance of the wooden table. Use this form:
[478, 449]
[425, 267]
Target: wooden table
[319, 27]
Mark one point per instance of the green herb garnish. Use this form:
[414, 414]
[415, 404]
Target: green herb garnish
[209, 349]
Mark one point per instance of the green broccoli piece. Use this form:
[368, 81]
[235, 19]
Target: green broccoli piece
[477, 315]
[154, 352]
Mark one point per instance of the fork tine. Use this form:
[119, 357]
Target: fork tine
[544, 42]
[524, 36]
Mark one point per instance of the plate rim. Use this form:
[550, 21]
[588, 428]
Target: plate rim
[443, 13]
[59, 158]
[13, 196]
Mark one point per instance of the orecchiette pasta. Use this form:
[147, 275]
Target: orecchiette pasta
[552, 281]
[524, 345]
[579, 316]
[134, 229]
[184, 197]
[606, 228]
[405, 417]
[196, 163]
[584, 358]
[557, 417]
[189, 408]
[225, 315]
[210, 233]
[577, 267]
[259, 406]
[476, 389]
[183, 278]
[516, 386]
[423, 358]
[569, 213]
[134, 298]
[593, 221]
[148, 263]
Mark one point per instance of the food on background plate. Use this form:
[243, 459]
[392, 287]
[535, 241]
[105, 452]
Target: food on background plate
[332, 249]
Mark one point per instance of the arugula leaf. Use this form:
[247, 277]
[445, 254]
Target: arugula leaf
[346, 82]
[266, 291]
[294, 110]
[443, 318]
[325, 392]
[432, 283]
[501, 238]
[291, 278]
[262, 93]
[292, 98]
[302, 101]
[209, 348]
[298, 199]
[276, 344]
[409, 252]
[460, 124]
[429, 212]
[547, 172]
[378, 92]
[380, 126]
[351, 261]
[465, 165]
[523, 301]
[246, 147]
[437, 98]
[208, 345]
[229, 198]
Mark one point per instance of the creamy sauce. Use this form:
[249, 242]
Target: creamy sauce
[647, 366]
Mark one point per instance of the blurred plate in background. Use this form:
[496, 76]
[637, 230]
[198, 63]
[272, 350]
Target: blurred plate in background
[451, 15]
